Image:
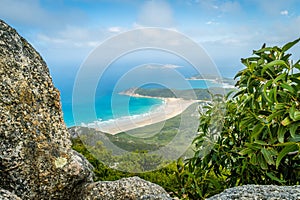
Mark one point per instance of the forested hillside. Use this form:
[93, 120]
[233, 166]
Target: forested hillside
[253, 137]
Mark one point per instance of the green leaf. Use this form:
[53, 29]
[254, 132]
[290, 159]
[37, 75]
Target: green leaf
[293, 128]
[253, 159]
[286, 57]
[297, 66]
[280, 77]
[246, 121]
[273, 151]
[262, 162]
[271, 95]
[287, 87]
[296, 80]
[274, 178]
[275, 114]
[260, 142]
[257, 129]
[273, 63]
[284, 144]
[263, 50]
[290, 45]
[246, 151]
[253, 146]
[239, 73]
[280, 134]
[282, 94]
[287, 149]
[279, 106]
[286, 121]
[297, 115]
[296, 138]
[267, 155]
[265, 91]
[239, 93]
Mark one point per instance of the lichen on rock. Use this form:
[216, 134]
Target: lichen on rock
[6, 195]
[60, 162]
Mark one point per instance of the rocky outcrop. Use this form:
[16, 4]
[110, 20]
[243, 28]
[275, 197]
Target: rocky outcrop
[255, 192]
[36, 159]
[126, 188]
[6, 195]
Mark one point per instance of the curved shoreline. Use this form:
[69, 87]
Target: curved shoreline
[170, 108]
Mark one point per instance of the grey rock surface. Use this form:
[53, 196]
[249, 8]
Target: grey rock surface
[36, 159]
[6, 195]
[259, 192]
[126, 188]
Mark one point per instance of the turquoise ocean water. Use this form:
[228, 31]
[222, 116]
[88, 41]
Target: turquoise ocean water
[123, 105]
[128, 70]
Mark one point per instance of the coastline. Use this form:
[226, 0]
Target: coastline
[169, 109]
[223, 82]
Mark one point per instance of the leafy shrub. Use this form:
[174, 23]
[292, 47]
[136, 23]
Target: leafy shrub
[260, 137]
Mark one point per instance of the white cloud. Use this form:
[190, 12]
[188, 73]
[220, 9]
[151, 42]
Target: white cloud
[69, 33]
[214, 7]
[166, 66]
[115, 29]
[229, 7]
[284, 12]
[31, 13]
[156, 13]
[46, 39]
[272, 7]
[211, 23]
[74, 36]
[71, 44]
[170, 66]
[28, 12]
[136, 25]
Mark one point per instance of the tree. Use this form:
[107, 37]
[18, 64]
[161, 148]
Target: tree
[260, 137]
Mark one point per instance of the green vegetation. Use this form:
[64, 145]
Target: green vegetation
[148, 138]
[145, 139]
[162, 176]
[140, 144]
[259, 140]
[253, 137]
[200, 94]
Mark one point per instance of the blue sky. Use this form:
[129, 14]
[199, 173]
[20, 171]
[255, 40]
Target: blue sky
[65, 31]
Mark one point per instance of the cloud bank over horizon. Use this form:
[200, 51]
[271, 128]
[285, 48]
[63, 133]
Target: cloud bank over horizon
[66, 31]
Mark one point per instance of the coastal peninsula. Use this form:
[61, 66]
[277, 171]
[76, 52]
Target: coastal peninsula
[169, 109]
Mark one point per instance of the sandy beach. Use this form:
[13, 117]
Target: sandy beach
[170, 108]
